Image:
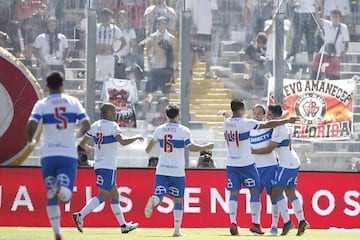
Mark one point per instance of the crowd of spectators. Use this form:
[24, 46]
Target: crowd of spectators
[23, 21]
[126, 28]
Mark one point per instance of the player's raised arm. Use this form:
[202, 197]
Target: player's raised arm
[197, 148]
[277, 122]
[126, 141]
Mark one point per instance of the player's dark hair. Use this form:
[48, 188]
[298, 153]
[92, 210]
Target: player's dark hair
[259, 106]
[237, 104]
[54, 80]
[105, 107]
[172, 110]
[276, 109]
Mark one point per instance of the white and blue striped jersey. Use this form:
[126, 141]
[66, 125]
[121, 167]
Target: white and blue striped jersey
[103, 132]
[173, 138]
[59, 113]
[260, 138]
[107, 35]
[237, 137]
[286, 155]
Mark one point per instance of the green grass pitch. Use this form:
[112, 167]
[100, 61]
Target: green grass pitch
[27, 233]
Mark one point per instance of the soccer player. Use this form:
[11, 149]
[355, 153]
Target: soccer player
[59, 113]
[240, 166]
[286, 175]
[170, 171]
[266, 164]
[106, 134]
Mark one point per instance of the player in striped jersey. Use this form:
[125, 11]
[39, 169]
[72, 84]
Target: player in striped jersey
[286, 175]
[170, 171]
[240, 165]
[106, 35]
[59, 114]
[106, 134]
[266, 164]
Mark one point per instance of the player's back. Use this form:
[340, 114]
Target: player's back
[103, 133]
[173, 138]
[59, 113]
[286, 155]
[237, 134]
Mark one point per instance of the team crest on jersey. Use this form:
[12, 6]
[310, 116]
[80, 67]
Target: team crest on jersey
[311, 108]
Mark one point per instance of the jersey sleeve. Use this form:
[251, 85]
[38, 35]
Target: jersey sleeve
[116, 130]
[156, 135]
[346, 35]
[81, 114]
[252, 124]
[279, 134]
[36, 113]
[90, 133]
[64, 41]
[118, 33]
[187, 137]
[37, 43]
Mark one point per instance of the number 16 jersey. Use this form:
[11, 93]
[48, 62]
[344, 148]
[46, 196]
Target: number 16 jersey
[173, 138]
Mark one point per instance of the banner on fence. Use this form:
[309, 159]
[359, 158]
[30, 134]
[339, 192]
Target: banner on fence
[333, 200]
[325, 107]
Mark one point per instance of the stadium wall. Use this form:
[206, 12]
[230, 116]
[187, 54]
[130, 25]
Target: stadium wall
[329, 199]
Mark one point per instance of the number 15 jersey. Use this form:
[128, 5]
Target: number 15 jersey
[237, 137]
[173, 138]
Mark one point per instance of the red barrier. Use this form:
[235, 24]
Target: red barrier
[330, 199]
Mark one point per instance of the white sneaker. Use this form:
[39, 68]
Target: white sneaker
[178, 234]
[129, 227]
[273, 231]
[149, 207]
[78, 221]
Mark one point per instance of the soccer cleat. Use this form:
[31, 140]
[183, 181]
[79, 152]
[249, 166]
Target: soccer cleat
[78, 221]
[128, 227]
[256, 229]
[149, 207]
[58, 237]
[178, 234]
[303, 225]
[287, 227]
[234, 229]
[273, 231]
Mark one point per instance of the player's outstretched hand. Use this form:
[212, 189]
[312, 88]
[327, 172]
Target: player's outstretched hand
[210, 145]
[224, 114]
[140, 137]
[293, 119]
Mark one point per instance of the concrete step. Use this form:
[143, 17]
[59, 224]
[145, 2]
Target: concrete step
[204, 95]
[209, 118]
